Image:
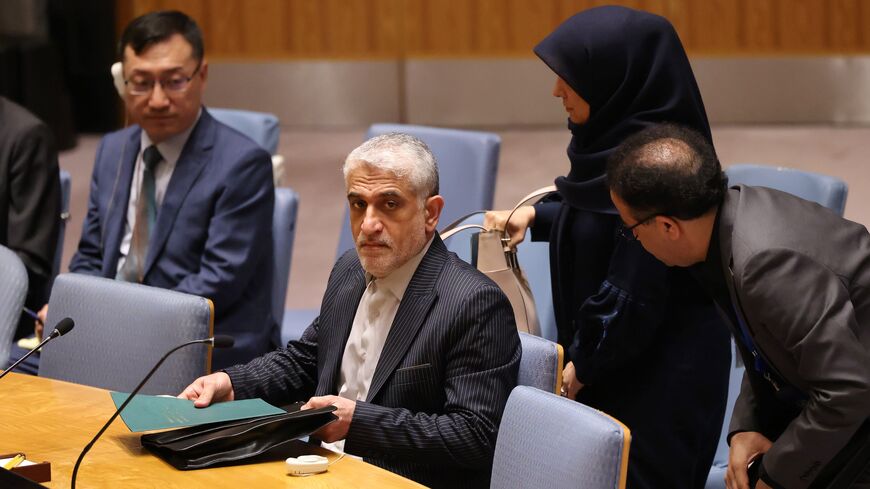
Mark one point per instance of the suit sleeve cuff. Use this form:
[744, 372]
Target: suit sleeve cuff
[763, 475]
[545, 214]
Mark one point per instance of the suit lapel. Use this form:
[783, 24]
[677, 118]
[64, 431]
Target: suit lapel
[413, 311]
[194, 157]
[116, 219]
[335, 329]
[726, 230]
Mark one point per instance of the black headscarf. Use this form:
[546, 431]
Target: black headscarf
[632, 70]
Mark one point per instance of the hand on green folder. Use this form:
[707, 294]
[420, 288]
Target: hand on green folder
[146, 413]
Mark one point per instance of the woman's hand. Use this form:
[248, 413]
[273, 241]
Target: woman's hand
[523, 218]
[570, 385]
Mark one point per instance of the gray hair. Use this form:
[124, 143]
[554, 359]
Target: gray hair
[402, 155]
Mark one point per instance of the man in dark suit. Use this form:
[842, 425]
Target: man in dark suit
[793, 281]
[29, 200]
[179, 200]
[417, 350]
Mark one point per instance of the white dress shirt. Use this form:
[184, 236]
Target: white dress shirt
[170, 150]
[371, 325]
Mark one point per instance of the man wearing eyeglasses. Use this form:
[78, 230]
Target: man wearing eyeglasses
[179, 200]
[793, 281]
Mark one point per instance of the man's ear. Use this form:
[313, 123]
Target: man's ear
[432, 210]
[203, 71]
[117, 71]
[670, 227]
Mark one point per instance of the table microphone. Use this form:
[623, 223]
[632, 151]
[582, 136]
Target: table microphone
[217, 341]
[62, 328]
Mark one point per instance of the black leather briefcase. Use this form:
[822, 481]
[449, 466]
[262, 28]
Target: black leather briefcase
[237, 441]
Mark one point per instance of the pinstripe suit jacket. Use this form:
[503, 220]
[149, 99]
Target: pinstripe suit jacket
[436, 399]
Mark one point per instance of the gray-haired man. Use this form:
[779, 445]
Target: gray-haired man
[417, 350]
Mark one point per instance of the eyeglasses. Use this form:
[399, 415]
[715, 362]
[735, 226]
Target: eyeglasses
[173, 84]
[627, 232]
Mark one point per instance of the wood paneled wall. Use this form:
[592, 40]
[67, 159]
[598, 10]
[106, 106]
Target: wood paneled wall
[365, 29]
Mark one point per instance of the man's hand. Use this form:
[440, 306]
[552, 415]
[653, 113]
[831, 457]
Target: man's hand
[570, 385]
[337, 430]
[745, 447]
[520, 221]
[216, 387]
[39, 326]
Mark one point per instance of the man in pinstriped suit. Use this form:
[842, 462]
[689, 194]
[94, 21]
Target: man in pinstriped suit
[417, 350]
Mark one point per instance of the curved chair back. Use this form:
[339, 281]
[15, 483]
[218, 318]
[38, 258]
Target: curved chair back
[548, 441]
[825, 190]
[13, 290]
[283, 234]
[467, 167]
[261, 127]
[716, 477]
[121, 330]
[541, 364]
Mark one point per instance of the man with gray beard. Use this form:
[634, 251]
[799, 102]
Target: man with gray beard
[416, 349]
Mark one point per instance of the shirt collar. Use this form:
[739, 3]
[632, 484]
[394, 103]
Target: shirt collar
[397, 281]
[171, 149]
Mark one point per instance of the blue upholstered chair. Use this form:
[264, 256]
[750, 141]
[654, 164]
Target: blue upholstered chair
[548, 441]
[828, 191]
[262, 127]
[13, 290]
[541, 364]
[283, 234]
[825, 190]
[467, 167]
[121, 330]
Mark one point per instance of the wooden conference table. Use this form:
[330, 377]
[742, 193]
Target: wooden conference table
[51, 421]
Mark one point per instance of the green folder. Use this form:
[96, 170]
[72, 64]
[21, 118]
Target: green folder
[146, 413]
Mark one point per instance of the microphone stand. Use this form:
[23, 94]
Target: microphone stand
[130, 398]
[63, 327]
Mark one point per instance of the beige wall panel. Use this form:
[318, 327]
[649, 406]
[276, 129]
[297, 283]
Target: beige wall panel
[309, 93]
[744, 90]
[480, 92]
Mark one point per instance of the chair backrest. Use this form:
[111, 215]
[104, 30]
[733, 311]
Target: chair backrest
[13, 290]
[825, 190]
[283, 234]
[121, 330]
[541, 364]
[534, 259]
[261, 127]
[467, 167]
[65, 189]
[548, 441]
[720, 460]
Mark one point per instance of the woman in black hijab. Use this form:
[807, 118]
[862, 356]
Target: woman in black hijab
[643, 343]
